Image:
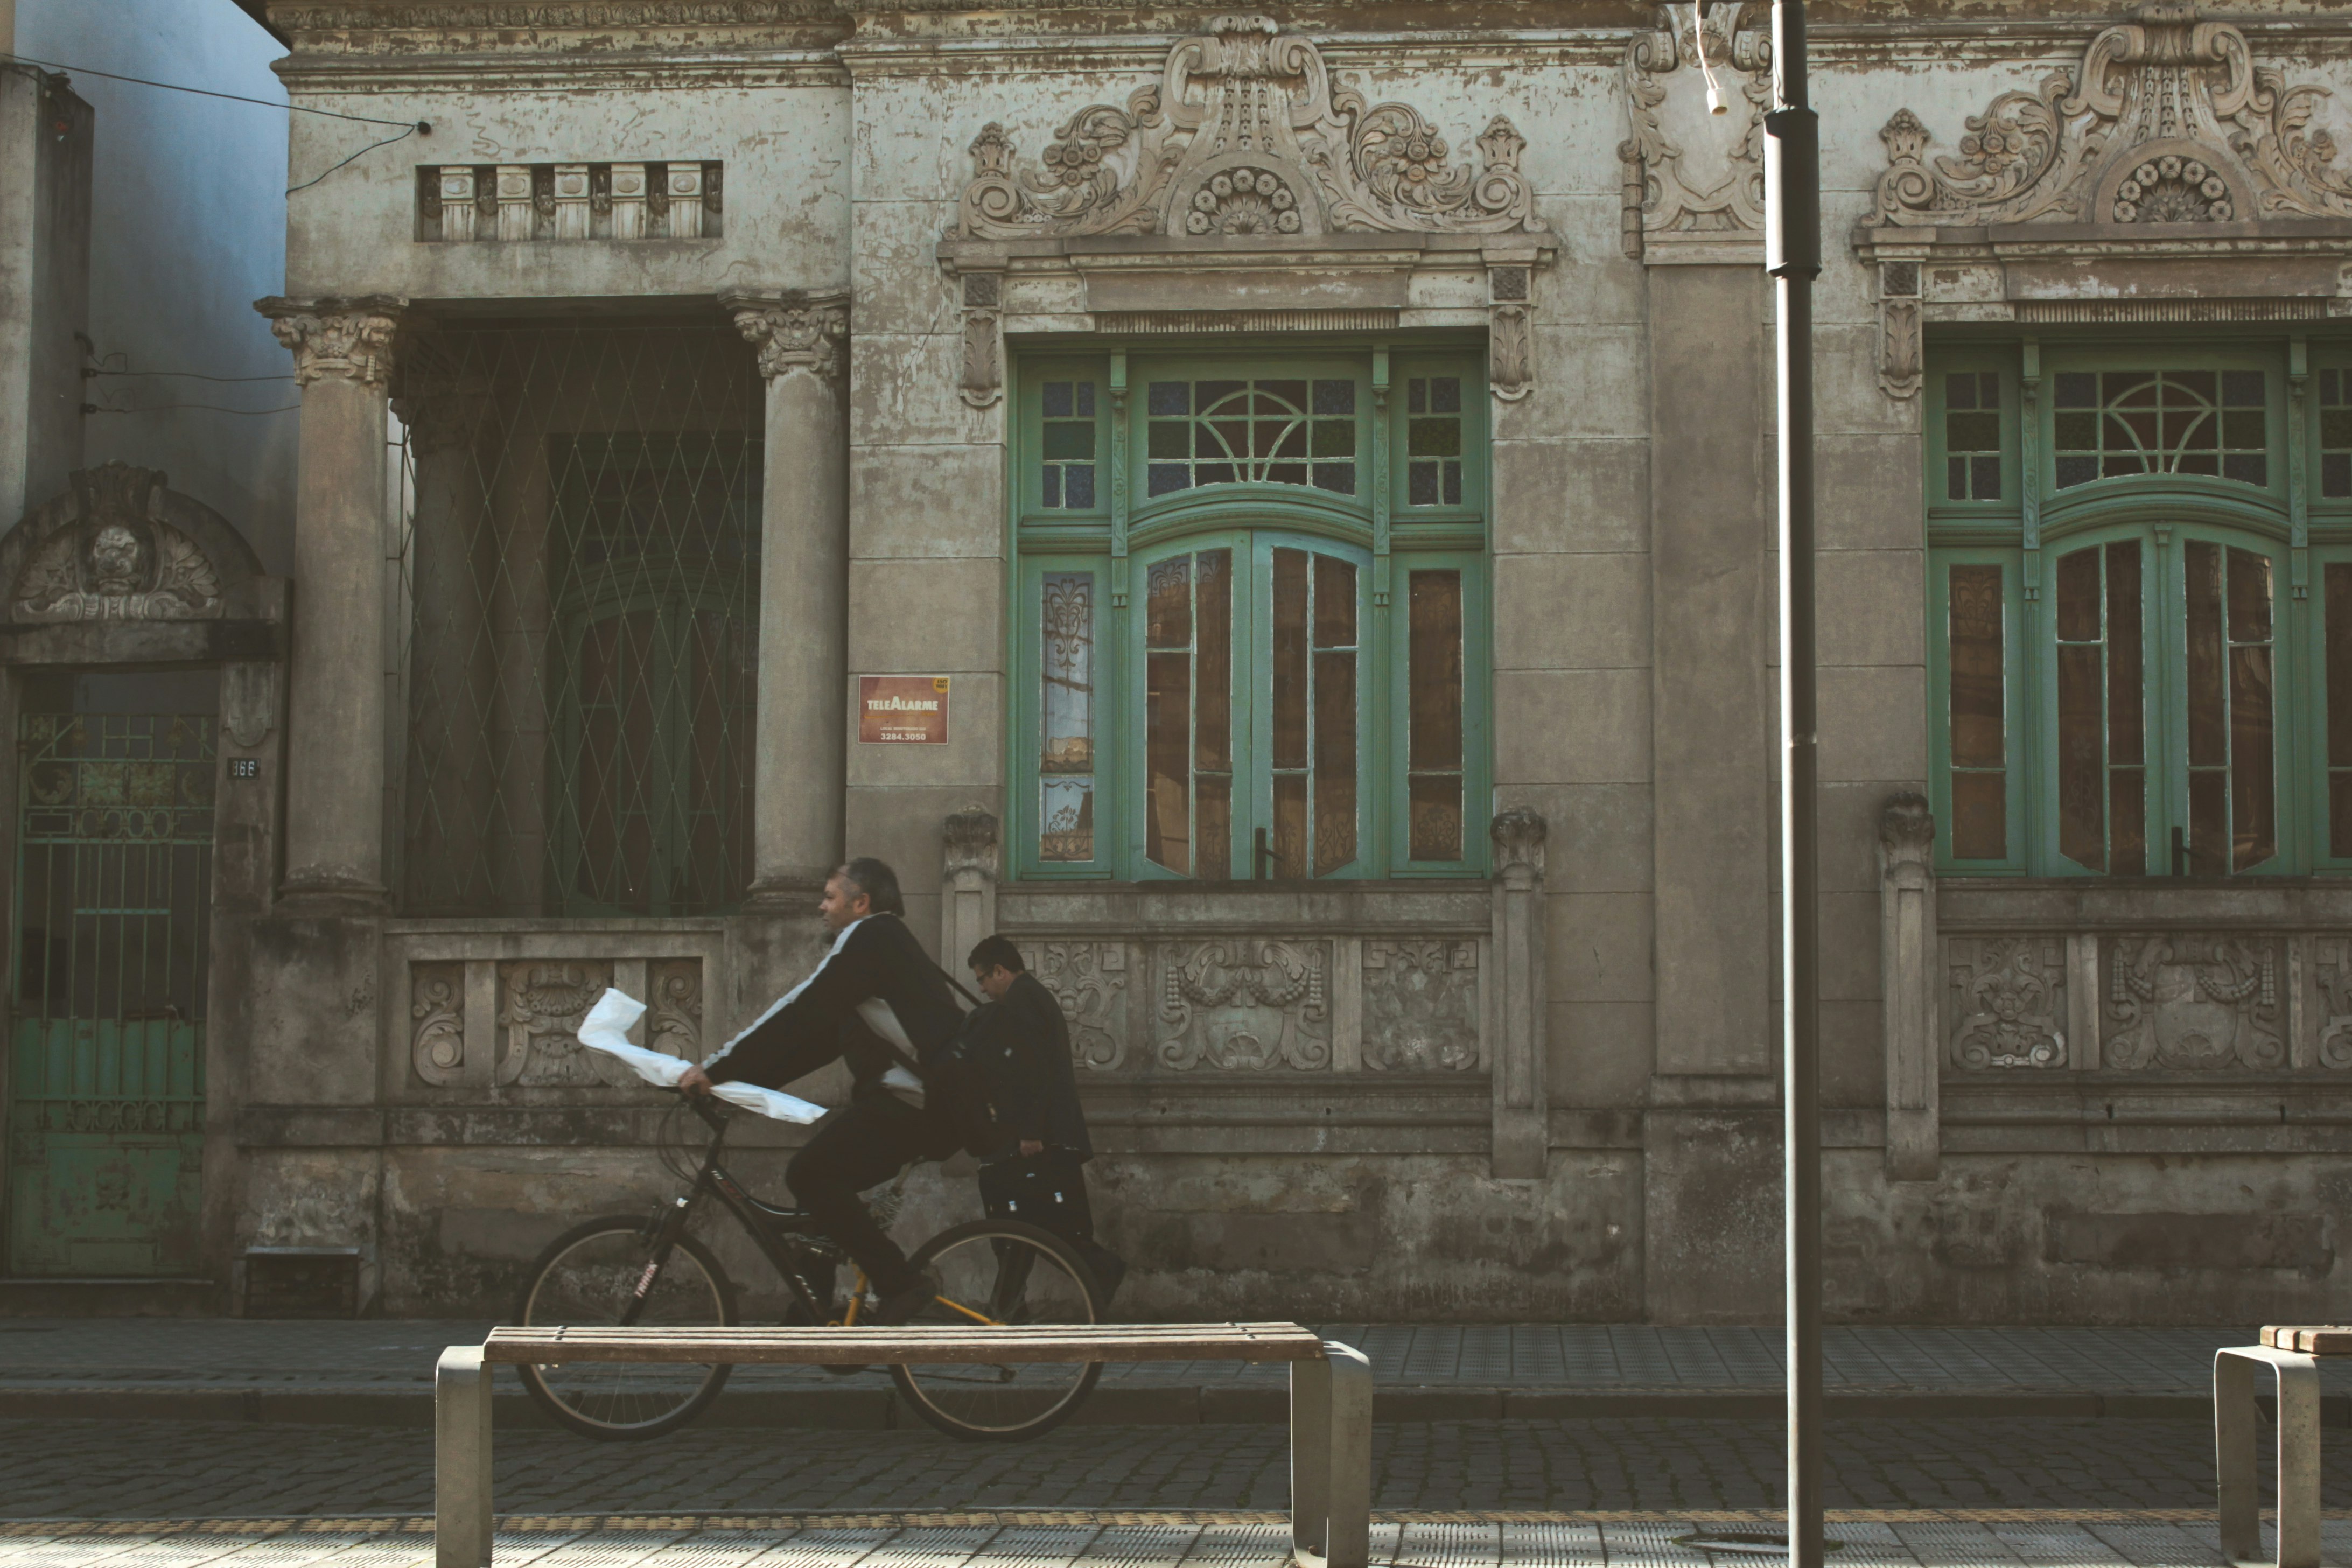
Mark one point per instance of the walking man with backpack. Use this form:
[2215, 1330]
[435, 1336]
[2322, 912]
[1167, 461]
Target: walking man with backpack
[1041, 1177]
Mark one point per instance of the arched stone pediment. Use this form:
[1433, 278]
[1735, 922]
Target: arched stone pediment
[121, 555]
[1244, 96]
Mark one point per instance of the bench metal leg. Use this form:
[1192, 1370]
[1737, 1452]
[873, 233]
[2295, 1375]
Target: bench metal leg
[2237, 1423]
[1310, 1458]
[1348, 1542]
[461, 1459]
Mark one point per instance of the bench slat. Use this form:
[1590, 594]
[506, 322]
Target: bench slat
[2317, 1340]
[862, 1346]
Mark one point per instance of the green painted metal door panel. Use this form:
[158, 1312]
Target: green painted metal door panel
[106, 1086]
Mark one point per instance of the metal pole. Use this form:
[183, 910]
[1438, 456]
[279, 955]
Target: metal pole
[1792, 254]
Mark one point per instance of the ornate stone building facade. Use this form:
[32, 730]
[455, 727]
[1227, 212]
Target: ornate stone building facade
[1272, 511]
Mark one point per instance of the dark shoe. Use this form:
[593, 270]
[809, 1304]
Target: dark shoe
[901, 1305]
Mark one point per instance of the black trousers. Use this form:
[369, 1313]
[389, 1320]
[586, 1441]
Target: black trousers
[860, 1146]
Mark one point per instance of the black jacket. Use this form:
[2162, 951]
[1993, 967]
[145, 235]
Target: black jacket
[877, 985]
[1042, 1103]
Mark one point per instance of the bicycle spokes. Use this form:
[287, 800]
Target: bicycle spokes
[1017, 1276]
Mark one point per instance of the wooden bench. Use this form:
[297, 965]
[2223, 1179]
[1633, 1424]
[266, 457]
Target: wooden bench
[1331, 1401]
[2293, 1355]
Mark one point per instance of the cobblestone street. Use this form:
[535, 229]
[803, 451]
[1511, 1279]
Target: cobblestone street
[161, 1469]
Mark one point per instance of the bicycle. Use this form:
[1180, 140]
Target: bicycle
[624, 1270]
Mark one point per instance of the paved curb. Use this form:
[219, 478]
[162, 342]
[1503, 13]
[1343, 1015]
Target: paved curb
[1162, 1405]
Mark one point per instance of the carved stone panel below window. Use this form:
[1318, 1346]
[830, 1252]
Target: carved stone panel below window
[2192, 1002]
[1421, 1007]
[542, 1004]
[1242, 1004]
[2331, 972]
[2008, 1000]
[437, 1010]
[1089, 980]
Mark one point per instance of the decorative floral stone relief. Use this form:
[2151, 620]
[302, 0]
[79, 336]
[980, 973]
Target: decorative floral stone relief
[123, 562]
[1089, 980]
[2009, 1001]
[436, 1007]
[2331, 968]
[2180, 1002]
[674, 1018]
[1676, 190]
[540, 1006]
[2167, 120]
[1245, 101]
[1420, 1005]
[1243, 1005]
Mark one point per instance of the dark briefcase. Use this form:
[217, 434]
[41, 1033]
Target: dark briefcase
[1048, 1191]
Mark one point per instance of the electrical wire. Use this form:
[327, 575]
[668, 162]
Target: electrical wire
[413, 126]
[199, 91]
[164, 407]
[189, 374]
[420, 125]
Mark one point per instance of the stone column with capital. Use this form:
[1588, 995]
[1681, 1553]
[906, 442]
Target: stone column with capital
[803, 671]
[450, 675]
[335, 724]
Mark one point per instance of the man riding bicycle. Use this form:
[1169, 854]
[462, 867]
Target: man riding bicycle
[879, 1002]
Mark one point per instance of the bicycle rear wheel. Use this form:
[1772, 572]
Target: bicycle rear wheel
[1001, 1271]
[589, 1277]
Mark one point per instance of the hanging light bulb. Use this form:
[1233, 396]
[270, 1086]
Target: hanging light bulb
[1715, 104]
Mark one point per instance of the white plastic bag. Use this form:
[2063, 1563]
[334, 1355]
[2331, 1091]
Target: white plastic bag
[606, 1028]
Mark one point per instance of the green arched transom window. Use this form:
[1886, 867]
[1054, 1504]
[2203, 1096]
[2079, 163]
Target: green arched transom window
[2140, 608]
[1253, 631]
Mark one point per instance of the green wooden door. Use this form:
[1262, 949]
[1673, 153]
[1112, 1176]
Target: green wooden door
[106, 1075]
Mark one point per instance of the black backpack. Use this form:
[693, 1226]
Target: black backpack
[968, 1079]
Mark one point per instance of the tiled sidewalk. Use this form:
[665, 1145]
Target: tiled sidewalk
[1108, 1541]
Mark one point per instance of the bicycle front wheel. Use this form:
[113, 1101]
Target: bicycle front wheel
[1001, 1271]
[589, 1277]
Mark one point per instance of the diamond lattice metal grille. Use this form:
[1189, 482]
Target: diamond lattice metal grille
[581, 562]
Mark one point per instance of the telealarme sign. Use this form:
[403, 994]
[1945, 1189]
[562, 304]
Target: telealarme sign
[902, 710]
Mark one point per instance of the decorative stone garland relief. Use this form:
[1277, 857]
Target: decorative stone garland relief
[540, 1007]
[2192, 1002]
[1420, 1005]
[2167, 120]
[2331, 972]
[1679, 193]
[1242, 1004]
[1248, 135]
[2009, 1001]
[1262, 1005]
[1089, 980]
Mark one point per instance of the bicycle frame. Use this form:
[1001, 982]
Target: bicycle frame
[774, 1231]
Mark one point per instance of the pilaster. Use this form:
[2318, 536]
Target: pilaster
[1906, 849]
[968, 883]
[1522, 1112]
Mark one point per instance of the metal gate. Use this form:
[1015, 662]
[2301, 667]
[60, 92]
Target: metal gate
[114, 856]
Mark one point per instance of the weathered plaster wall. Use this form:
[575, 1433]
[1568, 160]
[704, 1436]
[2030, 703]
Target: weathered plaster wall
[1632, 608]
